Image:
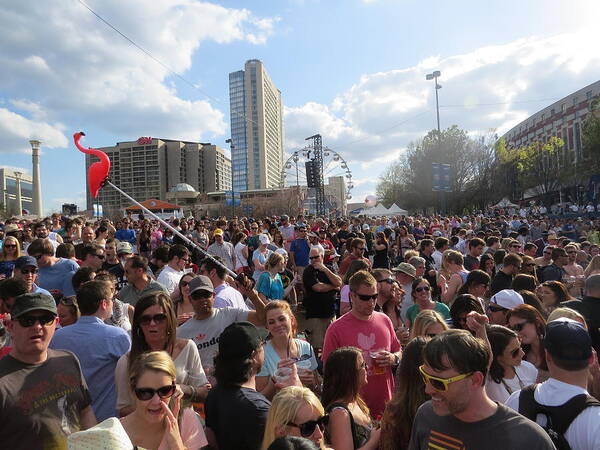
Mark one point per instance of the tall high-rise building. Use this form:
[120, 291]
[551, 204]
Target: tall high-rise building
[256, 114]
[149, 168]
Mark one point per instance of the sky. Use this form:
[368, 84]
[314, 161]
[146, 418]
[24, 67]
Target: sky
[350, 70]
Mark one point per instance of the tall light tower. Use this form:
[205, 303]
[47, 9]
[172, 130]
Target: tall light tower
[19, 201]
[37, 182]
[434, 76]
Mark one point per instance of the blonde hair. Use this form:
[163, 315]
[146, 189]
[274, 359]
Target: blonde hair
[156, 361]
[424, 320]
[284, 408]
[569, 313]
[7, 239]
[409, 254]
[274, 259]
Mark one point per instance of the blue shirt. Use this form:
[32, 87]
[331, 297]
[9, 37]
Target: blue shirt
[39, 290]
[98, 347]
[58, 276]
[272, 288]
[301, 249]
[125, 236]
[269, 366]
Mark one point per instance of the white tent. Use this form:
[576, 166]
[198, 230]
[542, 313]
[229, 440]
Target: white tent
[505, 203]
[378, 210]
[395, 210]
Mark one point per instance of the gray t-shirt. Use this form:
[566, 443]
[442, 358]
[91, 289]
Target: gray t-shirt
[130, 294]
[205, 333]
[505, 429]
[40, 404]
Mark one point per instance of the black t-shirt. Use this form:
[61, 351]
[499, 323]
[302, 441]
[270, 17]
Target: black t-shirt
[500, 281]
[40, 404]
[118, 271]
[237, 416]
[320, 305]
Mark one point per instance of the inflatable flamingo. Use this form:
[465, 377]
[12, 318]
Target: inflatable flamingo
[98, 172]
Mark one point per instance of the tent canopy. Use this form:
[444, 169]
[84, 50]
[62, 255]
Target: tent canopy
[505, 203]
[396, 210]
[378, 210]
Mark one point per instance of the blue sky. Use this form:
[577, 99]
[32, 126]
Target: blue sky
[351, 70]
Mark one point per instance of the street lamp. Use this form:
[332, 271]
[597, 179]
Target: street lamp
[434, 76]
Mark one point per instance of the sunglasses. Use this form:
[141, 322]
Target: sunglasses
[200, 295]
[493, 308]
[308, 428]
[37, 256]
[10, 246]
[518, 327]
[157, 318]
[388, 281]
[366, 297]
[29, 321]
[423, 288]
[147, 393]
[99, 256]
[441, 384]
[29, 271]
[530, 265]
[314, 257]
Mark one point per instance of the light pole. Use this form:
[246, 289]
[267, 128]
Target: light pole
[18, 193]
[434, 76]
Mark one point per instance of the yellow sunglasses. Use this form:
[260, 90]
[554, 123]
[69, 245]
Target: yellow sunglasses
[441, 384]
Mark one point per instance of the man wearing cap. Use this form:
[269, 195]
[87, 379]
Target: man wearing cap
[405, 274]
[313, 239]
[43, 394]
[169, 277]
[222, 249]
[501, 303]
[556, 271]
[235, 401]
[98, 346]
[299, 250]
[209, 322]
[511, 265]
[225, 295]
[26, 269]
[460, 415]
[124, 233]
[53, 273]
[327, 246]
[568, 349]
[139, 282]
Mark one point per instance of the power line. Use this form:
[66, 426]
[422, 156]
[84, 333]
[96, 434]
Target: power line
[151, 56]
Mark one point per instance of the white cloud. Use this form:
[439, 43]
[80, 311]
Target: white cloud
[16, 131]
[76, 70]
[371, 123]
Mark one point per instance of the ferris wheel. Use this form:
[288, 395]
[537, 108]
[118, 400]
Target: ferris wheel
[294, 172]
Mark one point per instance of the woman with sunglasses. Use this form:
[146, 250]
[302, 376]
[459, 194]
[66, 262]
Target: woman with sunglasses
[295, 411]
[508, 372]
[155, 421]
[283, 349]
[154, 329]
[68, 311]
[350, 426]
[421, 294]
[11, 250]
[183, 303]
[396, 424]
[269, 285]
[552, 294]
[530, 326]
[449, 286]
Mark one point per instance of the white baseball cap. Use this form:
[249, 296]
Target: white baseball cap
[507, 298]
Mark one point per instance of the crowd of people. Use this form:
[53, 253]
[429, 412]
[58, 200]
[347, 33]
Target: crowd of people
[410, 332]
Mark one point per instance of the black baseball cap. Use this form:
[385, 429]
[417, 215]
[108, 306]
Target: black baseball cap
[31, 302]
[568, 340]
[200, 283]
[240, 339]
[24, 261]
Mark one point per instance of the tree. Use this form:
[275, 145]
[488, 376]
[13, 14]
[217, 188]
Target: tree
[539, 166]
[408, 181]
[591, 132]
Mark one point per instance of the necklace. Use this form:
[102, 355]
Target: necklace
[507, 387]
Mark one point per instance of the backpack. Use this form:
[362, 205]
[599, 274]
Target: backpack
[559, 418]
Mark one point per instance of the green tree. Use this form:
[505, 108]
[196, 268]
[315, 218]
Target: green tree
[540, 166]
